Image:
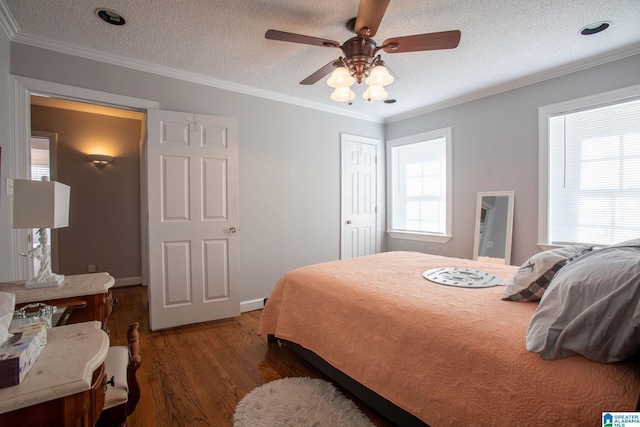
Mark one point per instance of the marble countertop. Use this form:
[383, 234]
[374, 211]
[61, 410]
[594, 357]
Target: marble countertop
[65, 366]
[73, 286]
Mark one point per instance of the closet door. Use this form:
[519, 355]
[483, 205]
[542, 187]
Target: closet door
[359, 196]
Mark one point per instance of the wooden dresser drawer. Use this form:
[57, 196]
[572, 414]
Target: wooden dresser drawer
[80, 409]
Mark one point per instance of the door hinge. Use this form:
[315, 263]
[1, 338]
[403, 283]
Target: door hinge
[375, 209]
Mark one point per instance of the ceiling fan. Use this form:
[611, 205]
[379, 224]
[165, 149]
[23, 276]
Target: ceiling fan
[361, 59]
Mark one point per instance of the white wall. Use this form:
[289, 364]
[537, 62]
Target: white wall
[289, 160]
[6, 232]
[495, 147]
[289, 157]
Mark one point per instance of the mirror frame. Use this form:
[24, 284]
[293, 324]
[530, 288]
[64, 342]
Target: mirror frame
[509, 233]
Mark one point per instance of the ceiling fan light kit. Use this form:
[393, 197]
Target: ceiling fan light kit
[343, 94]
[340, 78]
[359, 67]
[361, 60]
[379, 76]
[375, 93]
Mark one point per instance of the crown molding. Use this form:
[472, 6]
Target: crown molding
[594, 61]
[11, 29]
[7, 23]
[182, 75]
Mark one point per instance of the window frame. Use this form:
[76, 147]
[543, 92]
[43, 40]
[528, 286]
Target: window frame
[544, 114]
[445, 133]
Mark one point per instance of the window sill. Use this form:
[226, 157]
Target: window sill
[423, 237]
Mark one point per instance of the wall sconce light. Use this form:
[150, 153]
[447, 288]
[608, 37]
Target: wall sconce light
[100, 159]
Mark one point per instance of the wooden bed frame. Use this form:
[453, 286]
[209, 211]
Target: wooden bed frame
[372, 399]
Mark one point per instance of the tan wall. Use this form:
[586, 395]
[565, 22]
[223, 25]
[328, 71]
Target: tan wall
[104, 216]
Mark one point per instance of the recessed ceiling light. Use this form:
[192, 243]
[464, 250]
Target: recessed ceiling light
[389, 101]
[595, 28]
[110, 16]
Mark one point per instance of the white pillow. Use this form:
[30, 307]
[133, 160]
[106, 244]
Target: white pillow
[591, 307]
[533, 277]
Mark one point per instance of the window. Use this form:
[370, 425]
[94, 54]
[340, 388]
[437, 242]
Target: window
[590, 170]
[40, 166]
[40, 163]
[419, 186]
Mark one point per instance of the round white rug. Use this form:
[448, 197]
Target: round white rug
[298, 402]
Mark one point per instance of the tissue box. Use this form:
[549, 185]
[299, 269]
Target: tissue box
[20, 352]
[7, 305]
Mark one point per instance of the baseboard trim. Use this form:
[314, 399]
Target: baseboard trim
[256, 304]
[128, 281]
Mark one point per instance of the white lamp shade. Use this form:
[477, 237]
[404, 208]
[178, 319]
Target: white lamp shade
[340, 78]
[375, 93]
[343, 94]
[40, 204]
[379, 76]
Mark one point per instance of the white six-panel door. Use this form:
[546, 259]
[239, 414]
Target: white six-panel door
[192, 173]
[359, 196]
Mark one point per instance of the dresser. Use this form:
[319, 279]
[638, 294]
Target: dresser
[86, 296]
[66, 385]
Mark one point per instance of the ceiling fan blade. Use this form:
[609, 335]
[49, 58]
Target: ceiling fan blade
[370, 13]
[299, 38]
[319, 74]
[422, 42]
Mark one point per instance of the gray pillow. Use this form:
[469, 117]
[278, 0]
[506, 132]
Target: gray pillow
[591, 307]
[533, 277]
[632, 242]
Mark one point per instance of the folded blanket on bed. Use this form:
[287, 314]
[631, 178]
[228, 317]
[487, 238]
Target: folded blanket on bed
[451, 356]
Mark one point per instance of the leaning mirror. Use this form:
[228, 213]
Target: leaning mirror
[494, 226]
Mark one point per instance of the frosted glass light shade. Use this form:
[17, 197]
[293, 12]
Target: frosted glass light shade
[343, 94]
[340, 78]
[379, 76]
[375, 93]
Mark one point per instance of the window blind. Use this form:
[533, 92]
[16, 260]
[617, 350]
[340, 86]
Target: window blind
[419, 199]
[40, 164]
[594, 175]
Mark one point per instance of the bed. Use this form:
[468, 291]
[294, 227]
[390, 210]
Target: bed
[444, 355]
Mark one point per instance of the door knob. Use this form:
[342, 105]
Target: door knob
[232, 230]
[349, 221]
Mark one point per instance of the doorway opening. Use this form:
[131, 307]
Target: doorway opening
[106, 226]
[42, 153]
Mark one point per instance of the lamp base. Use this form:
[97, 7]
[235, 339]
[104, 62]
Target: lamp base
[46, 284]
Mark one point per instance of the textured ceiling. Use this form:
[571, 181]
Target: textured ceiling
[504, 44]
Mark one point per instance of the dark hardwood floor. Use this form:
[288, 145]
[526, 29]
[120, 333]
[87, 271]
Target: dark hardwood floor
[195, 375]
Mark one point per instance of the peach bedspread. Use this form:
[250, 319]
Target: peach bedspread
[450, 356]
